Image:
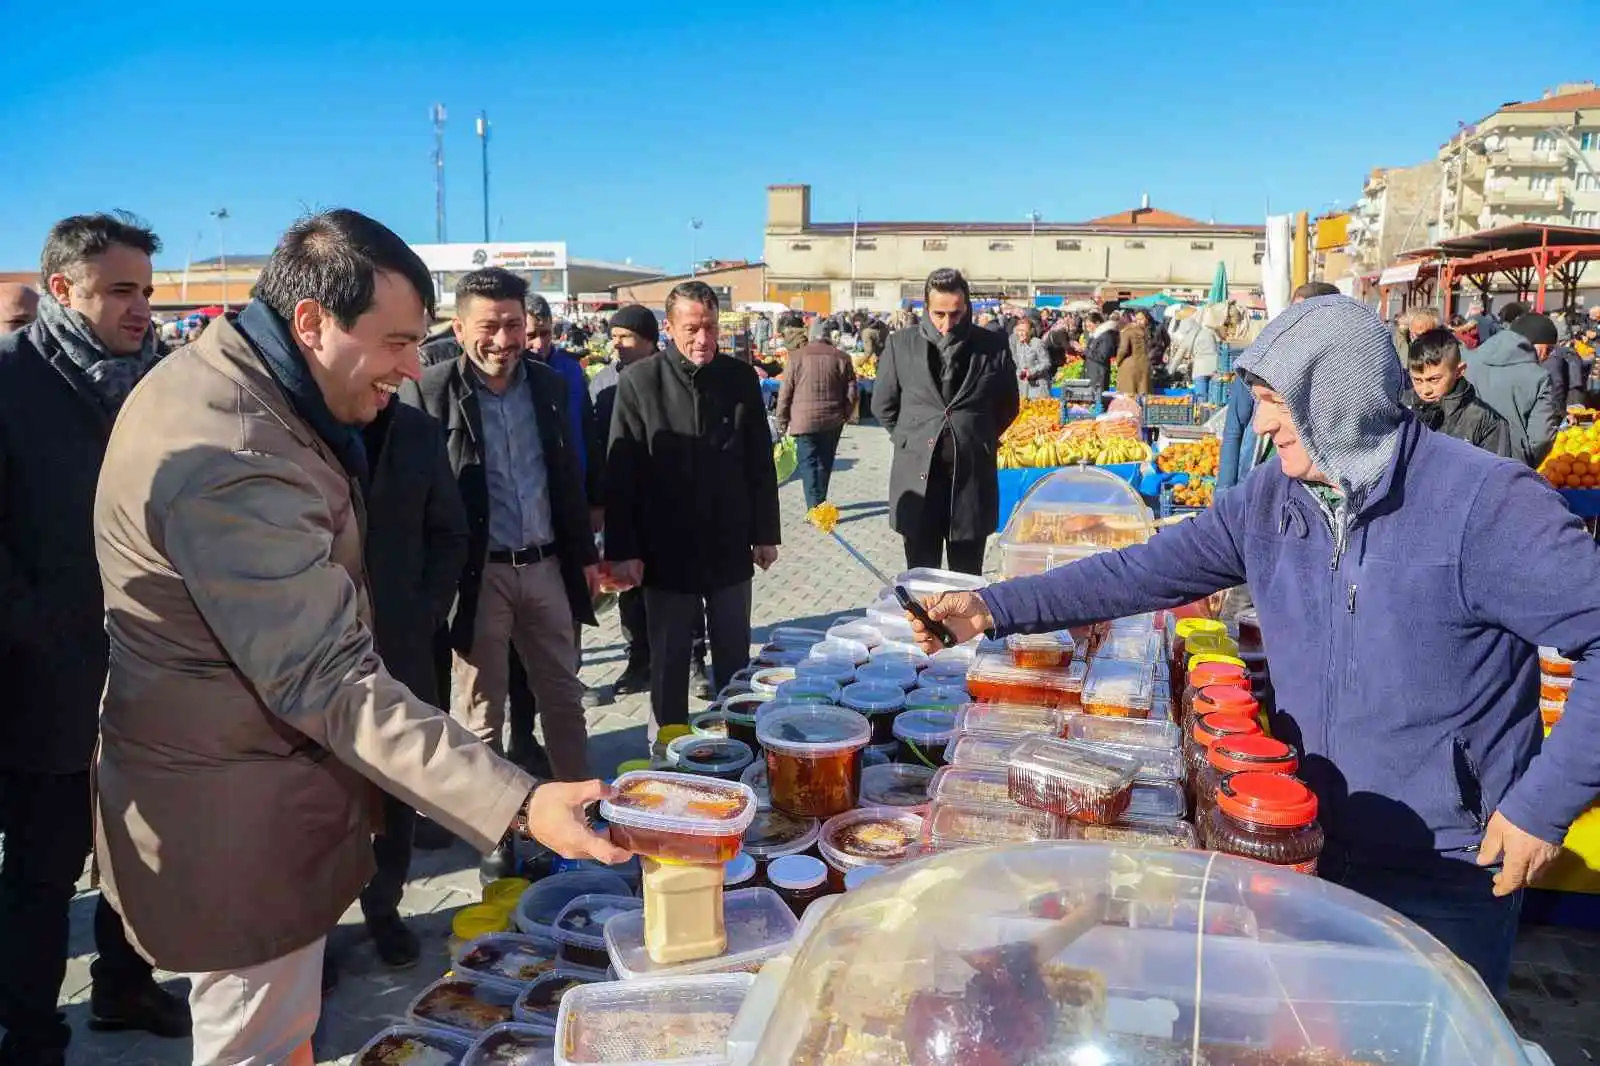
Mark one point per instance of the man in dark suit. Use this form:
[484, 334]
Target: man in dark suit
[532, 568]
[946, 390]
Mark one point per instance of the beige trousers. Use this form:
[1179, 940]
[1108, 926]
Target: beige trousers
[259, 1016]
[527, 606]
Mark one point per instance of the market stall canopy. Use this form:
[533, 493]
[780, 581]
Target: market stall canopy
[1159, 299]
[1528, 255]
[1219, 284]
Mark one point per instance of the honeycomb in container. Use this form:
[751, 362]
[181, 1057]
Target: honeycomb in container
[1076, 528]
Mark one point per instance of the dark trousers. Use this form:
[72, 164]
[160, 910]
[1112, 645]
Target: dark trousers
[726, 616]
[930, 542]
[1099, 375]
[635, 627]
[48, 827]
[391, 850]
[1451, 899]
[814, 455]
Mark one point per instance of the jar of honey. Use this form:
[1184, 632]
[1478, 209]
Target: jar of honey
[1228, 698]
[1207, 730]
[1205, 675]
[1269, 818]
[1249, 753]
[814, 758]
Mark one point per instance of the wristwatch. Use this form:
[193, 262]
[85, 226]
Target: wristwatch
[519, 824]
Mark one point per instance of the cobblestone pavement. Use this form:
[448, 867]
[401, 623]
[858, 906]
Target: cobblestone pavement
[1556, 985]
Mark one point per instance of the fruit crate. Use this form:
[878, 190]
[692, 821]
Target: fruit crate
[1078, 390]
[1169, 414]
[1226, 354]
[1175, 510]
[1219, 389]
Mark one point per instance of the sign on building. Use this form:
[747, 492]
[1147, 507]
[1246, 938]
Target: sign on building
[510, 255]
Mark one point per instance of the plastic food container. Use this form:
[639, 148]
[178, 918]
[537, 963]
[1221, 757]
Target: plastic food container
[1554, 663]
[993, 679]
[738, 871]
[936, 698]
[1184, 628]
[1079, 507]
[709, 723]
[733, 688]
[1251, 753]
[1137, 832]
[895, 785]
[1156, 799]
[771, 656]
[404, 1045]
[958, 785]
[710, 756]
[1156, 764]
[1041, 650]
[814, 758]
[1118, 689]
[894, 672]
[833, 648]
[861, 875]
[1550, 712]
[862, 632]
[539, 1003]
[900, 651]
[799, 881]
[870, 836]
[475, 920]
[580, 927]
[808, 690]
[1205, 675]
[793, 637]
[943, 675]
[1207, 731]
[1209, 657]
[879, 701]
[775, 834]
[765, 682]
[660, 1021]
[739, 712]
[682, 917]
[1222, 699]
[515, 957]
[1269, 818]
[1081, 781]
[1211, 643]
[970, 825]
[464, 1005]
[513, 1044]
[1555, 688]
[892, 623]
[1248, 622]
[1160, 705]
[758, 923]
[980, 751]
[1132, 646]
[1125, 732]
[679, 817]
[832, 669]
[541, 905]
[1011, 718]
[923, 737]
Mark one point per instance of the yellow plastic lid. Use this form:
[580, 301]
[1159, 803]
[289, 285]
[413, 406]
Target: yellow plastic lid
[478, 919]
[1213, 657]
[1220, 643]
[1188, 627]
[505, 892]
[668, 733]
[633, 766]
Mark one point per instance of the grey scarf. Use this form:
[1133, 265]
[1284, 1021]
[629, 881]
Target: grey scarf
[951, 349]
[111, 376]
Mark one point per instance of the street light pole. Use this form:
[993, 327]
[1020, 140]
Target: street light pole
[1033, 228]
[694, 246]
[483, 137]
[221, 215]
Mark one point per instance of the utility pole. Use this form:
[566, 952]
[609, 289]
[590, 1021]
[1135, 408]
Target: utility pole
[855, 230]
[221, 215]
[483, 138]
[438, 172]
[694, 246]
[1033, 229]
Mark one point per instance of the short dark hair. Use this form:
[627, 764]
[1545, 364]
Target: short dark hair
[490, 283]
[1512, 311]
[946, 280]
[1094, 318]
[1437, 347]
[1312, 289]
[536, 305]
[692, 292]
[333, 257]
[79, 238]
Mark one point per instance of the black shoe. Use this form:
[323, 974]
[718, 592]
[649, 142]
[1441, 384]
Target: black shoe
[429, 835]
[16, 1053]
[501, 862]
[635, 679]
[699, 684]
[397, 946]
[592, 698]
[145, 1006]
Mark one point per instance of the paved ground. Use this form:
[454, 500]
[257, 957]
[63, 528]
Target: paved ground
[1556, 987]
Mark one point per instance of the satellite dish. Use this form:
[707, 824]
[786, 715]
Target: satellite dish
[1493, 142]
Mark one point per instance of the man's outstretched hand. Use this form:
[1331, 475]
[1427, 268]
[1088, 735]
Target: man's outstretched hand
[963, 613]
[556, 820]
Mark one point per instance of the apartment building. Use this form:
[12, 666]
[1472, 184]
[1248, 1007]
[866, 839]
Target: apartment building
[881, 266]
[1397, 211]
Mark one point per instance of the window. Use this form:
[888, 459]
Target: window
[1588, 182]
[1544, 142]
[1133, 244]
[1261, 246]
[1586, 219]
[911, 290]
[1589, 142]
[1201, 246]
[866, 245]
[934, 244]
[1000, 246]
[799, 246]
[1069, 246]
[864, 290]
[1258, 257]
[1541, 183]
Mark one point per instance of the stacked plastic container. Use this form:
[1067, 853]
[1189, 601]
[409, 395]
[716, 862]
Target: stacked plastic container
[1555, 681]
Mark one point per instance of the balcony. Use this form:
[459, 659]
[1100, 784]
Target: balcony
[1522, 196]
[1528, 158]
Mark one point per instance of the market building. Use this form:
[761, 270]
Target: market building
[735, 282]
[881, 266]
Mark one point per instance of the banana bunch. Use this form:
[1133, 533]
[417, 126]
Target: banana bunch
[1065, 450]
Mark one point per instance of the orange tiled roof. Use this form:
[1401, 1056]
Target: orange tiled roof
[1569, 102]
[1146, 216]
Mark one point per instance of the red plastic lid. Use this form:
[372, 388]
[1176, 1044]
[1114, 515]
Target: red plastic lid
[1253, 753]
[1209, 727]
[1267, 799]
[1216, 698]
[1205, 674]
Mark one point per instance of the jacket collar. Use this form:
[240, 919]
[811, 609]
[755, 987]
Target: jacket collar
[225, 349]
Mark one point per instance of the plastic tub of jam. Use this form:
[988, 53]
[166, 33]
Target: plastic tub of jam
[832, 669]
[923, 736]
[861, 631]
[791, 637]
[738, 871]
[980, 750]
[799, 881]
[1085, 782]
[580, 928]
[515, 957]
[679, 817]
[759, 927]
[814, 758]
[540, 1003]
[541, 904]
[993, 679]
[1118, 689]
[771, 656]
[513, 1044]
[945, 673]
[808, 690]
[658, 1021]
[744, 674]
[755, 778]
[900, 651]
[1269, 818]
[739, 714]
[969, 825]
[894, 672]
[732, 689]
[879, 701]
[869, 836]
[861, 875]
[401, 1045]
[1552, 662]
[1012, 718]
[895, 785]
[959, 654]
[959, 785]
[1137, 832]
[1222, 699]
[1555, 689]
[834, 648]
[767, 679]
[775, 834]
[710, 756]
[709, 723]
[464, 1005]
[878, 755]
[1208, 729]
[1251, 753]
[894, 626]
[1036, 650]
[948, 698]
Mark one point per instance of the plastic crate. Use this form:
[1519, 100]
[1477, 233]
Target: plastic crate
[1219, 389]
[1169, 414]
[1226, 354]
[1078, 390]
[1173, 510]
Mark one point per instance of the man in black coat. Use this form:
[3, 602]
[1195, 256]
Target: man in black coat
[62, 381]
[1444, 400]
[946, 391]
[416, 546]
[1100, 352]
[691, 496]
[532, 568]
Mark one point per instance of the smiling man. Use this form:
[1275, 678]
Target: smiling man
[247, 715]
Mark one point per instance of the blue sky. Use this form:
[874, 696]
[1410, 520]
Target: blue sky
[615, 123]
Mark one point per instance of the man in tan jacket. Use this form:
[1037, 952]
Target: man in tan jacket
[247, 716]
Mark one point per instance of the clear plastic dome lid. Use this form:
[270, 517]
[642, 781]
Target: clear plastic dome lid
[1080, 506]
[1077, 953]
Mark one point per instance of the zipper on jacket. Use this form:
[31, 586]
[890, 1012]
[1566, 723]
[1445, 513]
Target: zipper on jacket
[1351, 601]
